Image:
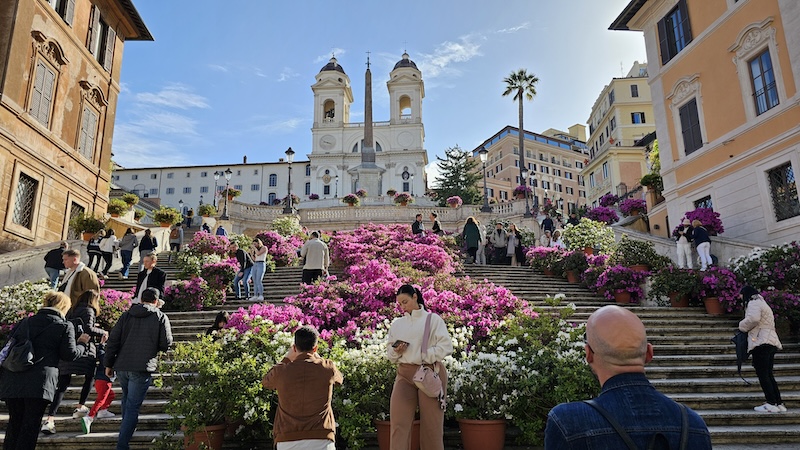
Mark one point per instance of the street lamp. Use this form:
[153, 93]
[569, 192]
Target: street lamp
[201, 199]
[337, 187]
[180, 206]
[533, 193]
[288, 209]
[484, 154]
[527, 203]
[412, 184]
[227, 174]
[217, 174]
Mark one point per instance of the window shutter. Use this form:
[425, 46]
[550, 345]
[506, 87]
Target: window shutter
[111, 40]
[47, 95]
[662, 40]
[69, 12]
[84, 132]
[687, 27]
[643, 119]
[94, 24]
[36, 96]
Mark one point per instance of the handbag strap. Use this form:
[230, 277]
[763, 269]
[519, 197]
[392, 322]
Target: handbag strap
[426, 338]
[627, 439]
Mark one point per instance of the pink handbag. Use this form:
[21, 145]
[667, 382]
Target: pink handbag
[427, 376]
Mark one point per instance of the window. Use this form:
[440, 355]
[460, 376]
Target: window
[170, 175]
[271, 198]
[516, 150]
[187, 190]
[406, 186]
[634, 90]
[545, 184]
[170, 191]
[516, 163]
[25, 201]
[610, 98]
[255, 187]
[637, 117]
[203, 189]
[64, 8]
[237, 187]
[88, 134]
[153, 176]
[503, 195]
[605, 170]
[308, 170]
[545, 169]
[704, 202]
[613, 123]
[498, 168]
[674, 32]
[557, 172]
[591, 180]
[581, 193]
[255, 171]
[765, 92]
[568, 175]
[308, 188]
[570, 191]
[578, 165]
[102, 39]
[44, 85]
[326, 189]
[188, 174]
[238, 173]
[558, 187]
[273, 180]
[783, 191]
[203, 174]
[153, 191]
[134, 177]
[690, 126]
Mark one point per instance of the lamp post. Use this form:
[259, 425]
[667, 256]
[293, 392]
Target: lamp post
[533, 192]
[412, 184]
[336, 195]
[484, 154]
[227, 174]
[217, 174]
[180, 206]
[288, 209]
[201, 200]
[527, 203]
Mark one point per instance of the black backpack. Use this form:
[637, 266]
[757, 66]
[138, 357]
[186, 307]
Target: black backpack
[20, 355]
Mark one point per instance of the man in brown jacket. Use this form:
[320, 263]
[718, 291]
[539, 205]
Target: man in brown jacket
[304, 382]
[79, 278]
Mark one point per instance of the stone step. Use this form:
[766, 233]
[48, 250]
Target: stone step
[756, 434]
[739, 417]
[97, 440]
[734, 400]
[66, 424]
[704, 371]
[720, 385]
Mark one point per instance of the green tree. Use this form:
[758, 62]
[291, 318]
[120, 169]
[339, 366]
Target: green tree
[521, 84]
[458, 176]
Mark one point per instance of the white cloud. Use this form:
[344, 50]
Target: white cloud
[133, 147]
[165, 122]
[276, 126]
[513, 29]
[287, 73]
[173, 96]
[217, 67]
[433, 172]
[336, 51]
[447, 54]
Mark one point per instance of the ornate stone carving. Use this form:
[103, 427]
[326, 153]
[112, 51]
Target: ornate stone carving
[49, 49]
[93, 94]
[684, 88]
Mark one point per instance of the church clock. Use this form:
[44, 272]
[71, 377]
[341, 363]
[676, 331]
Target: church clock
[327, 142]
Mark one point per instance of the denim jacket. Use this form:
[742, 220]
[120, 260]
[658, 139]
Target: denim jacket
[636, 404]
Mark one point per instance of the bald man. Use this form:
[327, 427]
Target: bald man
[617, 351]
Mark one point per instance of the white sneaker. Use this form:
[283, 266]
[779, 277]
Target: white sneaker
[261, 298]
[80, 412]
[766, 407]
[104, 414]
[782, 407]
[86, 424]
[49, 427]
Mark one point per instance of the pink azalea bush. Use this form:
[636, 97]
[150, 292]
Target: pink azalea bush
[112, 304]
[609, 200]
[621, 278]
[629, 204]
[187, 295]
[602, 214]
[707, 217]
[721, 283]
[207, 243]
[282, 249]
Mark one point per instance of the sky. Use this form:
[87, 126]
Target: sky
[225, 79]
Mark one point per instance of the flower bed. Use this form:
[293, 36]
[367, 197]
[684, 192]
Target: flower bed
[629, 205]
[282, 249]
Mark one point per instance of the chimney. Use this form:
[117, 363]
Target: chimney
[244, 160]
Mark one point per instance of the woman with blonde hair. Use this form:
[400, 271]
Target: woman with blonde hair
[27, 393]
[259, 268]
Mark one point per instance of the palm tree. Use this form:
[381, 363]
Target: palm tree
[521, 84]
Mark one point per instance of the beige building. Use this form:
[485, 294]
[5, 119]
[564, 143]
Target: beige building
[554, 159]
[60, 62]
[724, 78]
[621, 116]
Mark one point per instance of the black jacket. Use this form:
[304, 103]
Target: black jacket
[700, 235]
[136, 339]
[417, 227]
[53, 339]
[244, 259]
[84, 315]
[157, 279]
[53, 259]
[148, 243]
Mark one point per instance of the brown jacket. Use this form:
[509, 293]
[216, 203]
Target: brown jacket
[84, 280]
[305, 389]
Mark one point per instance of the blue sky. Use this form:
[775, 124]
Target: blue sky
[228, 79]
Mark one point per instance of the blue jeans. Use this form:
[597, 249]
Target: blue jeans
[134, 388]
[52, 274]
[246, 278]
[258, 277]
[127, 256]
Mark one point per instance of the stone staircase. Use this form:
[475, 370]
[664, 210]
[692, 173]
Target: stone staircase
[694, 363]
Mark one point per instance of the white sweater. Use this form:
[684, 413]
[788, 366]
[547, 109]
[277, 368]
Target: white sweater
[410, 328]
[759, 323]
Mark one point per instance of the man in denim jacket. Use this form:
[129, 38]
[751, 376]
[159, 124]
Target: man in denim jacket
[617, 350]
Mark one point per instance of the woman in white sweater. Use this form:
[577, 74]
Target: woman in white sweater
[403, 348]
[763, 343]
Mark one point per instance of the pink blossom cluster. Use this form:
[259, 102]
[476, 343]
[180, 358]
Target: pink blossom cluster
[282, 249]
[186, 295]
[602, 214]
[207, 243]
[629, 204]
[219, 275]
[112, 304]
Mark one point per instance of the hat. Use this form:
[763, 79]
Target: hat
[64, 244]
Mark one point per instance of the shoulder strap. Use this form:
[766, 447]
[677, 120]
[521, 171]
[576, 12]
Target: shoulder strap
[426, 338]
[617, 427]
[684, 427]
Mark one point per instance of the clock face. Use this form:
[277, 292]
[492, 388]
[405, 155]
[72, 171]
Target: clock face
[327, 142]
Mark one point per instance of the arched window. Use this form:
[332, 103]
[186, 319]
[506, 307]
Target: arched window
[271, 198]
[273, 180]
[329, 110]
[308, 170]
[405, 107]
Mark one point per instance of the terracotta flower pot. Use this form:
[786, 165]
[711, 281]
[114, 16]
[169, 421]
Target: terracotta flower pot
[403, 203]
[679, 301]
[384, 428]
[210, 435]
[114, 215]
[549, 272]
[622, 297]
[482, 434]
[572, 277]
[713, 306]
[165, 224]
[588, 251]
[639, 267]
[87, 236]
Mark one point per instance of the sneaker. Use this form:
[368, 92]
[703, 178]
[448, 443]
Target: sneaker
[766, 407]
[782, 407]
[124, 277]
[49, 427]
[86, 424]
[104, 414]
[80, 412]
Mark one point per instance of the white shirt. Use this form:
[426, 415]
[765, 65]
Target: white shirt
[316, 254]
[108, 244]
[70, 277]
[141, 288]
[410, 328]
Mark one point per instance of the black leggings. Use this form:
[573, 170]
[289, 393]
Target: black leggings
[763, 362]
[63, 384]
[25, 418]
[94, 258]
[107, 257]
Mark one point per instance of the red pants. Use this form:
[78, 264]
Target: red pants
[406, 398]
[105, 395]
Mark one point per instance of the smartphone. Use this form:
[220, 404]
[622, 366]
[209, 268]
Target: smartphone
[397, 343]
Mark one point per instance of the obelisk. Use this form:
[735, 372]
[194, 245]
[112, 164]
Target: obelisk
[368, 175]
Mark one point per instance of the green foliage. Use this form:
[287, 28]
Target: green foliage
[631, 252]
[575, 261]
[85, 223]
[287, 226]
[654, 159]
[244, 241]
[20, 301]
[117, 206]
[130, 199]
[669, 280]
[589, 233]
[138, 213]
[653, 181]
[458, 176]
[190, 263]
[168, 215]
[207, 209]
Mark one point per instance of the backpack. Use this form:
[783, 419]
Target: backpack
[18, 352]
[174, 234]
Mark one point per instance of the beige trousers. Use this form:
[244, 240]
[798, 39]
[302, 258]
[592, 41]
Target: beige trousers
[406, 397]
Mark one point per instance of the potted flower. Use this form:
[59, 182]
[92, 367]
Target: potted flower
[207, 210]
[522, 190]
[622, 284]
[602, 214]
[776, 267]
[454, 201]
[313, 197]
[233, 193]
[538, 257]
[403, 198]
[708, 218]
[719, 290]
[130, 199]
[652, 181]
[351, 200]
[138, 214]
[361, 193]
[633, 206]
[589, 235]
[609, 200]
[574, 264]
[636, 254]
[391, 191]
[86, 224]
[677, 284]
[167, 216]
[117, 207]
